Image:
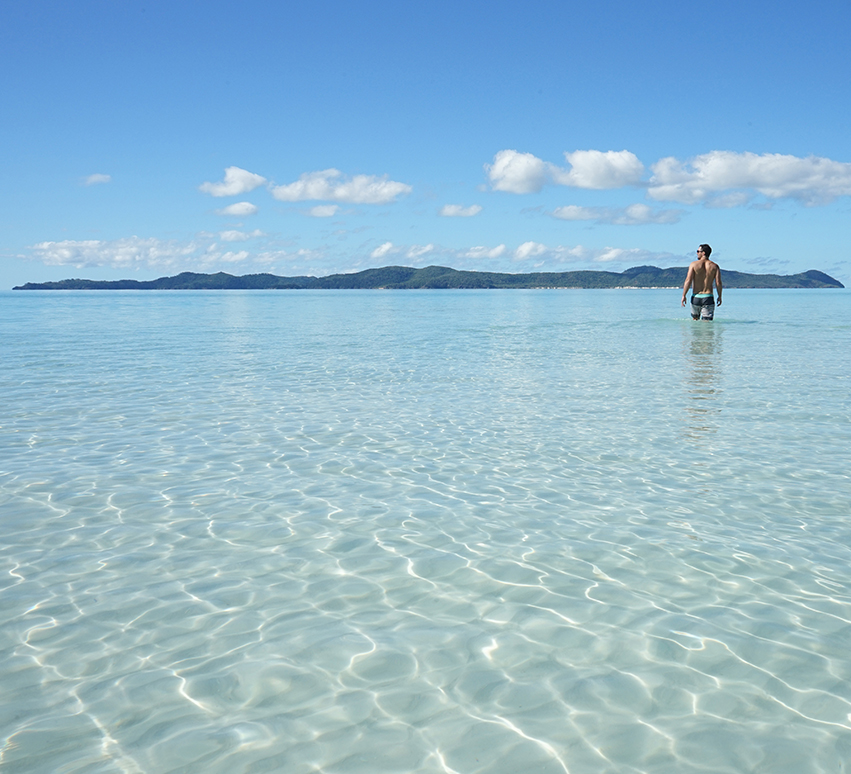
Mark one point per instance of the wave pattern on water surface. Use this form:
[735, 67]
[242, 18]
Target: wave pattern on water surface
[437, 532]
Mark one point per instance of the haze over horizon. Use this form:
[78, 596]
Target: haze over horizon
[144, 140]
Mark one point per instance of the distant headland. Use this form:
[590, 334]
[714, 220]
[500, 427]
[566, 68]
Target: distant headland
[442, 277]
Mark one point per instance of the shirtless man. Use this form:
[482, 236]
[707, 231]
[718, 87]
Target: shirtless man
[701, 275]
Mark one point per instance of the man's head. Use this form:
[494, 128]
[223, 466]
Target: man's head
[705, 249]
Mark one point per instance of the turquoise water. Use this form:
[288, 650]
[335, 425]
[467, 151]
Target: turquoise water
[424, 531]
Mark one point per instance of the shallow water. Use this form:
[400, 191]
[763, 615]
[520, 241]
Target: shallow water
[460, 531]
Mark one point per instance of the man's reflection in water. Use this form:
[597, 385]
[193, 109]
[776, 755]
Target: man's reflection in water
[702, 345]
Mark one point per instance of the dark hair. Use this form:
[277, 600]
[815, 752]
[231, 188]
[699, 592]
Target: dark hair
[707, 250]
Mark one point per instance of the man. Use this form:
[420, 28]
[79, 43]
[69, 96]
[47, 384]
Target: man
[701, 275]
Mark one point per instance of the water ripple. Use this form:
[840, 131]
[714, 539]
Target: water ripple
[400, 532]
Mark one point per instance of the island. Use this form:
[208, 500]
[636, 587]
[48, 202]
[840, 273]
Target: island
[442, 277]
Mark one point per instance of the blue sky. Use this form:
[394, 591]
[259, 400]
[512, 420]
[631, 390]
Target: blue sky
[141, 139]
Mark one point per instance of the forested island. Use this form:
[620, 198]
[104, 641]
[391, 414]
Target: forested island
[442, 277]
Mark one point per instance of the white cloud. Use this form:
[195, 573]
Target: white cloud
[612, 254]
[484, 252]
[239, 210]
[562, 254]
[716, 179]
[529, 250]
[638, 214]
[517, 172]
[459, 211]
[382, 250]
[324, 210]
[633, 215]
[239, 236]
[524, 173]
[120, 253]
[237, 181]
[136, 252]
[330, 185]
[575, 212]
[733, 199]
[416, 251]
[599, 170]
[577, 253]
[97, 179]
[811, 180]
[272, 256]
[558, 254]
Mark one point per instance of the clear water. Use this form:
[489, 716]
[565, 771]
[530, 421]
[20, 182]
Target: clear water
[372, 532]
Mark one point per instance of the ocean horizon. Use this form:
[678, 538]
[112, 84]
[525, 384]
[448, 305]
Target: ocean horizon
[425, 531]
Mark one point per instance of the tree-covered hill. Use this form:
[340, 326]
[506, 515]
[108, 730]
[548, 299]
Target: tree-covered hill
[436, 277]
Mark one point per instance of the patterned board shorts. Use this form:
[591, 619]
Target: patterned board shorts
[703, 307]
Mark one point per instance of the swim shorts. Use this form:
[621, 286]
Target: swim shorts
[702, 306]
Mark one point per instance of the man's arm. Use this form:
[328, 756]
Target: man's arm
[689, 279]
[719, 286]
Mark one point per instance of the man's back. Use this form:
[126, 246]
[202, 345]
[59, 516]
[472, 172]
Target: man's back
[704, 274]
